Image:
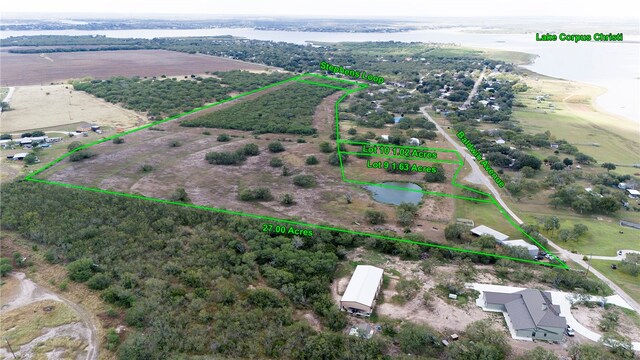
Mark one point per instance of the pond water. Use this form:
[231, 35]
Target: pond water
[392, 196]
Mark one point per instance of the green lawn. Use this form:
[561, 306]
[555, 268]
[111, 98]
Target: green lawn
[630, 284]
[603, 237]
[486, 214]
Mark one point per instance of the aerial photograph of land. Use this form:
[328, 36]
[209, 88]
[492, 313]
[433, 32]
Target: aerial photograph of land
[335, 180]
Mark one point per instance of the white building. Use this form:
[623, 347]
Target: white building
[360, 296]
[414, 141]
[485, 230]
[633, 193]
[533, 250]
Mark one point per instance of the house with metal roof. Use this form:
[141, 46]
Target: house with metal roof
[360, 296]
[529, 314]
[485, 230]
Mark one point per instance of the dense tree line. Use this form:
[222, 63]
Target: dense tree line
[288, 110]
[170, 96]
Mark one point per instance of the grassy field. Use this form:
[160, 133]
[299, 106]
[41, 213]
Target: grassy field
[22, 325]
[630, 284]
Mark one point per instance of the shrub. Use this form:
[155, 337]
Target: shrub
[304, 181]
[80, 270]
[118, 140]
[5, 266]
[352, 131]
[250, 150]
[335, 160]
[287, 199]
[30, 159]
[74, 145]
[225, 158]
[276, 162]
[438, 176]
[206, 133]
[175, 143]
[374, 217]
[180, 194]
[311, 160]
[37, 133]
[259, 194]
[276, 147]
[223, 137]
[99, 281]
[286, 171]
[301, 141]
[325, 147]
[146, 168]
[81, 155]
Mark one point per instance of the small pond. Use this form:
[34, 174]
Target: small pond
[386, 195]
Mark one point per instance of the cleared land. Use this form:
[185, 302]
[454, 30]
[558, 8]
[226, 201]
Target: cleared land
[37, 107]
[118, 167]
[32, 69]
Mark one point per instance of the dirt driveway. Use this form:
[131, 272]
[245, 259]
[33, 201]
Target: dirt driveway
[25, 292]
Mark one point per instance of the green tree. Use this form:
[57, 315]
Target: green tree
[580, 205]
[584, 159]
[579, 230]
[30, 159]
[74, 145]
[80, 270]
[406, 214]
[609, 166]
[454, 232]
[565, 235]
[276, 162]
[619, 345]
[418, 339]
[538, 353]
[551, 224]
[527, 172]
[5, 266]
[437, 176]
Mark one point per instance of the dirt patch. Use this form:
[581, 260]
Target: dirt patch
[37, 107]
[591, 317]
[32, 69]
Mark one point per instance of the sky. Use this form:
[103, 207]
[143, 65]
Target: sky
[327, 8]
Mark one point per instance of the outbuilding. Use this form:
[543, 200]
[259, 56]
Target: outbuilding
[633, 193]
[533, 250]
[360, 296]
[485, 230]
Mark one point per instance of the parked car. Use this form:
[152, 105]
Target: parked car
[569, 331]
[619, 252]
[614, 266]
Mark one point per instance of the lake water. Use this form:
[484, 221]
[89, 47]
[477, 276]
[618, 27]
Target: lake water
[613, 66]
[396, 196]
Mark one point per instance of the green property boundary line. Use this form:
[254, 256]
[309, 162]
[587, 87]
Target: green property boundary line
[298, 78]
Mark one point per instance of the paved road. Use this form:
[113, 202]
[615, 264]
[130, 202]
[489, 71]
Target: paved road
[477, 172]
[475, 88]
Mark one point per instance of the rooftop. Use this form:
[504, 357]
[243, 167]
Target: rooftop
[363, 285]
[529, 308]
[485, 230]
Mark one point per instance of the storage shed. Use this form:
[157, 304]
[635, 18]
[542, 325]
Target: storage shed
[485, 230]
[360, 296]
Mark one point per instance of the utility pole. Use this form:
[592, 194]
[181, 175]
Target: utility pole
[588, 264]
[10, 349]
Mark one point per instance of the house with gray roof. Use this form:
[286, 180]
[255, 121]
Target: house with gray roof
[529, 313]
